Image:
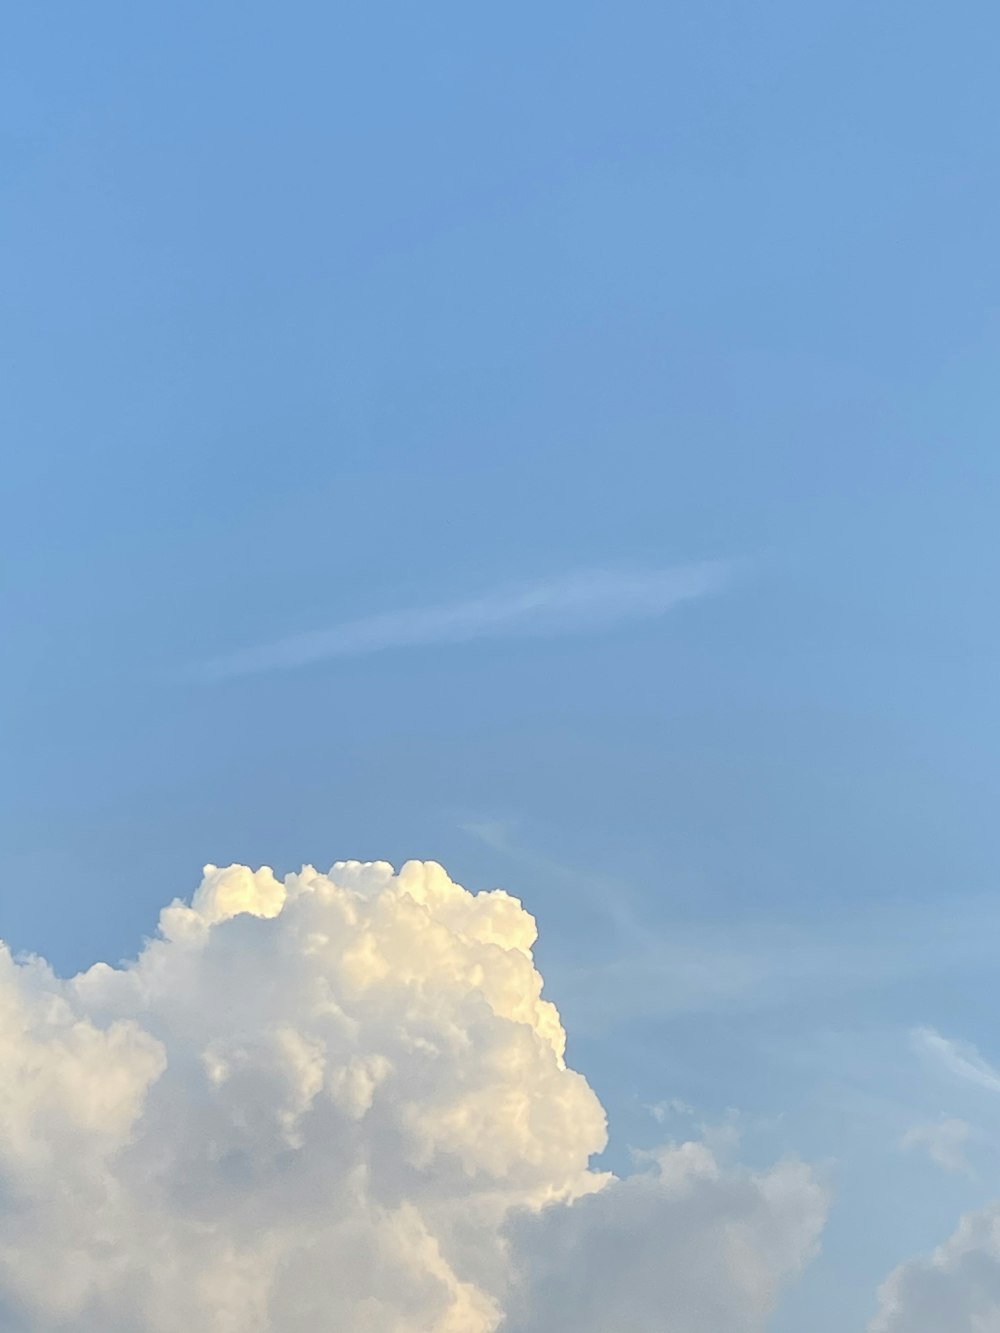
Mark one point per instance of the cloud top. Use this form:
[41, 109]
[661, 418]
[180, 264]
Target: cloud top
[342, 1101]
[579, 602]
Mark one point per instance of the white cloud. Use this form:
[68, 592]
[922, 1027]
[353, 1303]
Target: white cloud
[686, 1246]
[944, 1141]
[669, 1109]
[588, 600]
[340, 1101]
[958, 1057]
[956, 1289]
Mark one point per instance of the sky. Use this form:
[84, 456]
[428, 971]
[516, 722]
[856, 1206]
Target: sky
[555, 443]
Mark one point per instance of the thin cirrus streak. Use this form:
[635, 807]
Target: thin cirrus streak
[578, 602]
[958, 1057]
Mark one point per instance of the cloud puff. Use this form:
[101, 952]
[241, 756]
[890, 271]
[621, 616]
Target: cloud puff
[944, 1141]
[954, 1289]
[340, 1101]
[686, 1246]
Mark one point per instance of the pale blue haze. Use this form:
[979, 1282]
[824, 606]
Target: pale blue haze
[316, 313]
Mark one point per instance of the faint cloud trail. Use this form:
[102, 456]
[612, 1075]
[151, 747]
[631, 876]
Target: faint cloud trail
[603, 894]
[958, 1057]
[575, 603]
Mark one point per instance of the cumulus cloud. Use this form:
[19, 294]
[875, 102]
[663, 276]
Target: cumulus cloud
[586, 600]
[685, 1246]
[957, 1286]
[341, 1101]
[956, 1289]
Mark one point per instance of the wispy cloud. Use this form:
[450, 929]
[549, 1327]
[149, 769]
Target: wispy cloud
[958, 1057]
[588, 600]
[756, 964]
[609, 897]
[944, 1142]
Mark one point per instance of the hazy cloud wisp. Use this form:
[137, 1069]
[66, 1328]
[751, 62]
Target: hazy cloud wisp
[574, 603]
[959, 1058]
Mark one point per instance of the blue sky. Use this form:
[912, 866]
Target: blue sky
[325, 315]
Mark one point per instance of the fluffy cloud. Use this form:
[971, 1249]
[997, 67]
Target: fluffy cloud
[956, 1288]
[686, 1246]
[340, 1101]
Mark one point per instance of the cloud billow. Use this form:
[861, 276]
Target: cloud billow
[955, 1289]
[341, 1101]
